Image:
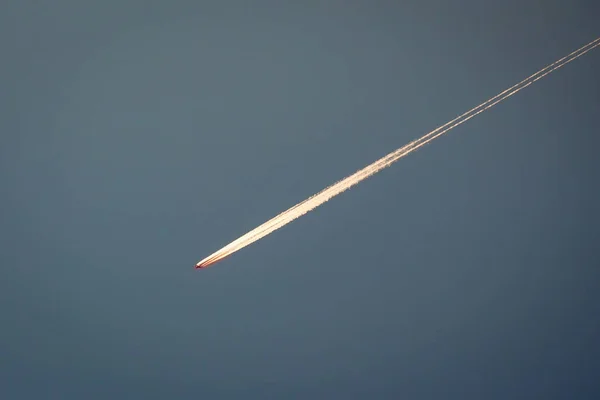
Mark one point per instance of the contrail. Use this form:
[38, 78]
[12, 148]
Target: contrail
[323, 196]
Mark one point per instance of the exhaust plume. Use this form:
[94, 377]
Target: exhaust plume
[326, 194]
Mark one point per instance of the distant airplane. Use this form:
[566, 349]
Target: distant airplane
[206, 263]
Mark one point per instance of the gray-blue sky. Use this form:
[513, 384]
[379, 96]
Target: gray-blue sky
[138, 137]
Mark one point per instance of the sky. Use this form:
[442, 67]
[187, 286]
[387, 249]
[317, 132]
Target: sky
[138, 137]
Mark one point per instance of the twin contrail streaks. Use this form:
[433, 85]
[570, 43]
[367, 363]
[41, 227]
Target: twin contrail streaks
[323, 196]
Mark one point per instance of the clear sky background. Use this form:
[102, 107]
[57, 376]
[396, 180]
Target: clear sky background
[137, 137]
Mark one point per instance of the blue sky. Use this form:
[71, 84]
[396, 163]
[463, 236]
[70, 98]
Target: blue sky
[139, 137]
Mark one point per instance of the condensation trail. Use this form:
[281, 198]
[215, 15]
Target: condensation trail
[326, 194]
